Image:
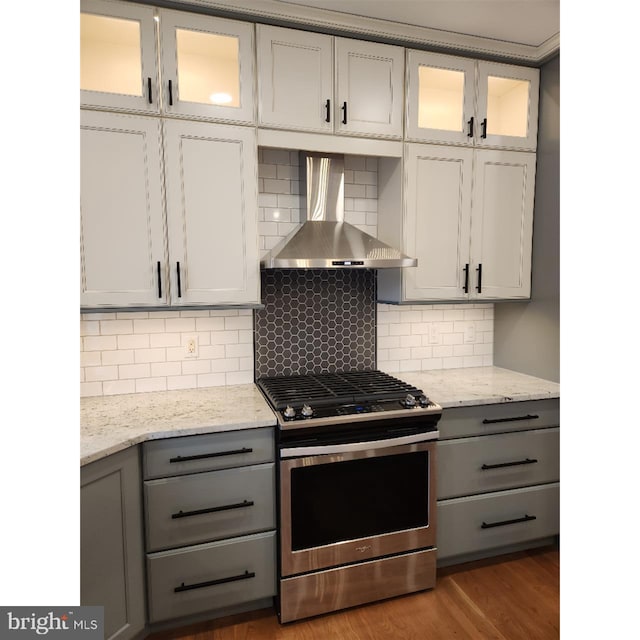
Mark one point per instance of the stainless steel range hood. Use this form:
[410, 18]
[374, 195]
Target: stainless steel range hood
[325, 241]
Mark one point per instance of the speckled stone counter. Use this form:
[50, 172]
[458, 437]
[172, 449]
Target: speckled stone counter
[479, 385]
[112, 423]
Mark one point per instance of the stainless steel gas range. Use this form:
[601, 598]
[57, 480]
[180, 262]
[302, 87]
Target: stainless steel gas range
[356, 489]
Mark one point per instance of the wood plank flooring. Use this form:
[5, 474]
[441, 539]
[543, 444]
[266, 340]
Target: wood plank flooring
[513, 597]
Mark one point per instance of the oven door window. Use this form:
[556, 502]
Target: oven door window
[358, 498]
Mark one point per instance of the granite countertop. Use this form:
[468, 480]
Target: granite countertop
[479, 385]
[112, 423]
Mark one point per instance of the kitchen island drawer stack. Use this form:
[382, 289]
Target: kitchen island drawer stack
[498, 478]
[210, 522]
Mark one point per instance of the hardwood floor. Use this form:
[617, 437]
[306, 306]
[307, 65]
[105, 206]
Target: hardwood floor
[513, 597]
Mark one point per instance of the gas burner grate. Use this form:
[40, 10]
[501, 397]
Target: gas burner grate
[326, 389]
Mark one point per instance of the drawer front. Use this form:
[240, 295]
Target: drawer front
[186, 510]
[499, 418]
[503, 461]
[211, 576]
[466, 525]
[207, 452]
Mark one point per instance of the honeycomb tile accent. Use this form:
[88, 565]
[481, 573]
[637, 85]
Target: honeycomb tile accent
[315, 321]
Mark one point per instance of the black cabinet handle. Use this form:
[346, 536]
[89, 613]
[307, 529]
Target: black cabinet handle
[170, 93]
[327, 106]
[466, 278]
[179, 284]
[504, 523]
[470, 123]
[484, 128]
[484, 467]
[344, 113]
[159, 281]
[515, 419]
[210, 583]
[199, 512]
[216, 454]
[149, 90]
[479, 270]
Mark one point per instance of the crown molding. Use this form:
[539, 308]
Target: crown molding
[289, 14]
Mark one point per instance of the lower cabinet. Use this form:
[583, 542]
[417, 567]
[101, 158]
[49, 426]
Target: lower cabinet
[498, 478]
[111, 542]
[209, 505]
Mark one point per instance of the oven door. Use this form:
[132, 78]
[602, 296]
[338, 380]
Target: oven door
[363, 501]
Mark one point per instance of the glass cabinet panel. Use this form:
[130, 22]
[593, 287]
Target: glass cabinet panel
[441, 98]
[507, 106]
[208, 68]
[110, 55]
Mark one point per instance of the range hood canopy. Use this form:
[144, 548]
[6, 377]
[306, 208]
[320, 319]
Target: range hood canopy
[325, 240]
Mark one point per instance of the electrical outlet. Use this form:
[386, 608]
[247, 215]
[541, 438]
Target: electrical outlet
[433, 334]
[192, 347]
[470, 332]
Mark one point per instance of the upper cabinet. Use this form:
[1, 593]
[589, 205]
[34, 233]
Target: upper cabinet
[455, 100]
[204, 68]
[204, 251]
[207, 66]
[316, 82]
[118, 56]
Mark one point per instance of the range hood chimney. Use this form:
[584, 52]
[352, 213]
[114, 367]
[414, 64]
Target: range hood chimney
[325, 240]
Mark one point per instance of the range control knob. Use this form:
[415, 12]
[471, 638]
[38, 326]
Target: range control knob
[409, 401]
[306, 411]
[289, 413]
[424, 401]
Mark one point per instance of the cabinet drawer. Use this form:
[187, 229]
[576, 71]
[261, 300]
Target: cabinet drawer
[502, 461]
[498, 418]
[211, 576]
[209, 506]
[466, 525]
[207, 452]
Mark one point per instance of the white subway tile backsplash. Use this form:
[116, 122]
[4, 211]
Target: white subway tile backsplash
[154, 356]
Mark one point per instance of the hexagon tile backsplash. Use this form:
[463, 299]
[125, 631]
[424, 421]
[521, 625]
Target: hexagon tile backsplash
[315, 320]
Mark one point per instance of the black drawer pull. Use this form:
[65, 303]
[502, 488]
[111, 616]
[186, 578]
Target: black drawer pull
[479, 286]
[344, 117]
[470, 123]
[199, 512]
[484, 467]
[170, 93]
[504, 523]
[217, 454]
[210, 583]
[159, 281]
[484, 128]
[327, 106]
[149, 91]
[466, 278]
[179, 283]
[516, 419]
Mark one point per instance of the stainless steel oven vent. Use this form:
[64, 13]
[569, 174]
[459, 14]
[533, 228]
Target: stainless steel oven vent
[325, 240]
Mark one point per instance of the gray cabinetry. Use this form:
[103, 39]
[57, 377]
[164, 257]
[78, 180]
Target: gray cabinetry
[111, 542]
[210, 523]
[498, 478]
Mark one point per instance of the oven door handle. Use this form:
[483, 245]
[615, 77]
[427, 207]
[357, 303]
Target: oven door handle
[349, 447]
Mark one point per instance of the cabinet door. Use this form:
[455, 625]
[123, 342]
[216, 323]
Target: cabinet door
[370, 83]
[440, 98]
[211, 190]
[122, 231]
[438, 208]
[118, 56]
[207, 66]
[507, 106]
[295, 79]
[502, 224]
[111, 551]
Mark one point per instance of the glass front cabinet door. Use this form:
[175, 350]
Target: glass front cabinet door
[118, 56]
[207, 67]
[455, 100]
